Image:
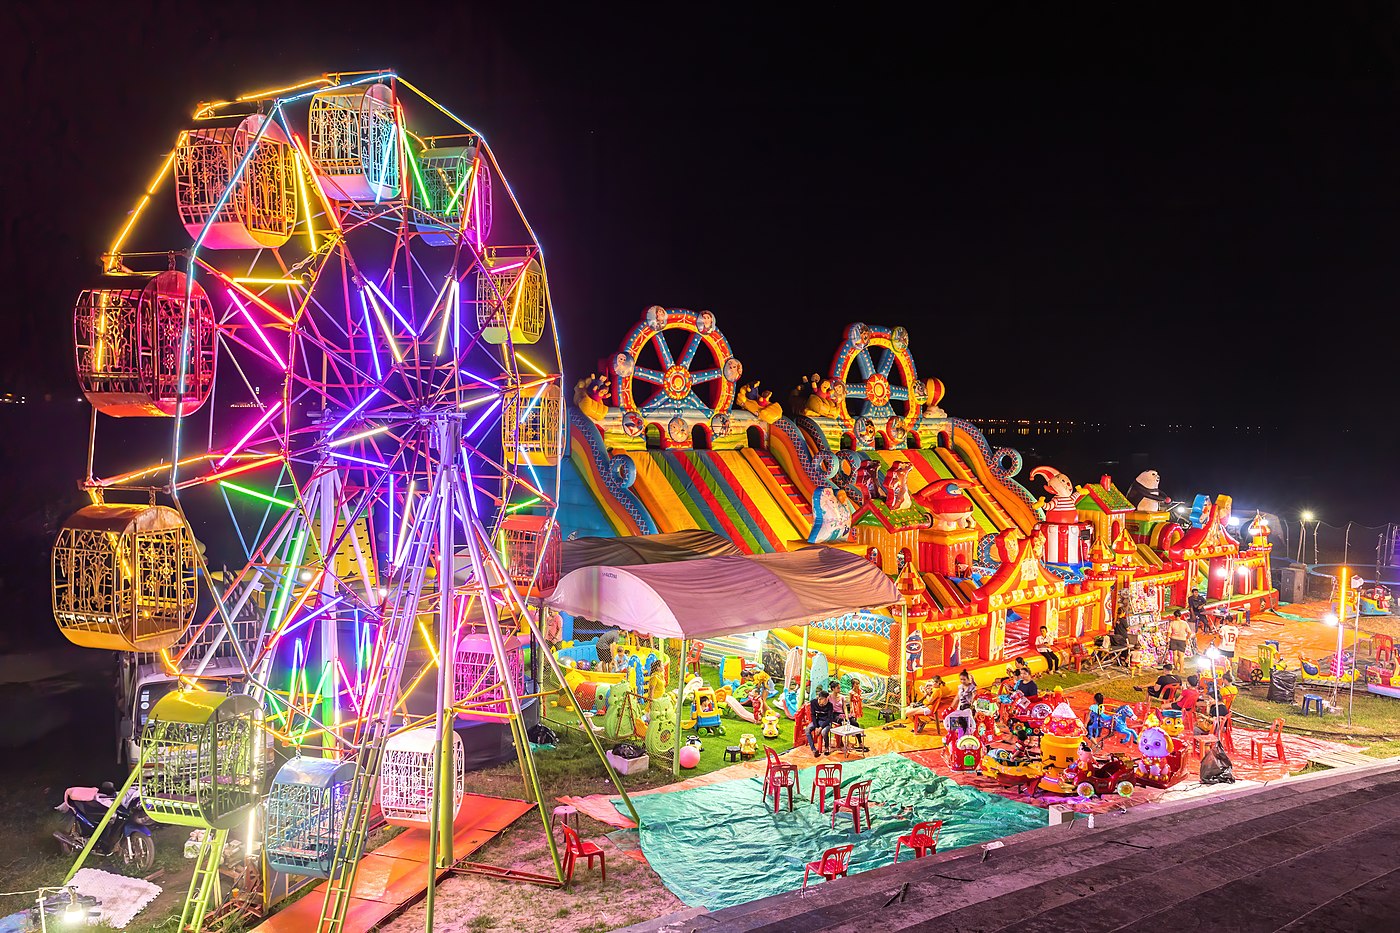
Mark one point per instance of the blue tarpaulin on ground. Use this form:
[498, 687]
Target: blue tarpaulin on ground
[718, 845]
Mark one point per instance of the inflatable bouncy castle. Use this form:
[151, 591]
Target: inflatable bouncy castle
[673, 436]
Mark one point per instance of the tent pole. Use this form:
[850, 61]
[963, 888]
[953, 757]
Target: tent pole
[680, 697]
[553, 664]
[904, 651]
[802, 670]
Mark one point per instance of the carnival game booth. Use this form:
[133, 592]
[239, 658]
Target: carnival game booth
[715, 597]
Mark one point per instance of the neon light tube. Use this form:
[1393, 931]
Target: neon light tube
[264, 419]
[402, 320]
[520, 357]
[340, 455]
[368, 432]
[489, 383]
[352, 413]
[115, 249]
[490, 408]
[375, 599]
[256, 494]
[241, 468]
[369, 338]
[243, 310]
[384, 323]
[456, 318]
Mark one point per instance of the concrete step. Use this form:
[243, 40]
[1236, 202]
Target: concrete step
[941, 886]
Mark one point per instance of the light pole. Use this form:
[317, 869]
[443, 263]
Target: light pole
[1307, 516]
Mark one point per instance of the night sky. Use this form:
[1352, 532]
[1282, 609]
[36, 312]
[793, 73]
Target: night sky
[1207, 213]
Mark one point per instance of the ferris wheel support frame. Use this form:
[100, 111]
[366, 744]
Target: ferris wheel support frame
[314, 518]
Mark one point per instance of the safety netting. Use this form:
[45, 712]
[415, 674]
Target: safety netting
[719, 845]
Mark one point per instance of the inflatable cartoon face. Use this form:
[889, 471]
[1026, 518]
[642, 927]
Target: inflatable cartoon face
[831, 520]
[1154, 743]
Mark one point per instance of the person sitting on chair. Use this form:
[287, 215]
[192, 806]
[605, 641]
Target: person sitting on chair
[924, 709]
[963, 718]
[838, 703]
[820, 723]
[1100, 723]
[1166, 680]
[1045, 646]
[1026, 686]
[1190, 694]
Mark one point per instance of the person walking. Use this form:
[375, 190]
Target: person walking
[1178, 632]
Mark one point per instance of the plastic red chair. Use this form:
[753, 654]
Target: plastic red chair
[857, 802]
[1259, 744]
[1169, 694]
[828, 778]
[799, 729]
[1079, 655]
[832, 865]
[922, 838]
[1383, 647]
[575, 847]
[779, 775]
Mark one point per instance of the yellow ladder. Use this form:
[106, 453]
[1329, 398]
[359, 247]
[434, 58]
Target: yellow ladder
[396, 636]
[204, 886]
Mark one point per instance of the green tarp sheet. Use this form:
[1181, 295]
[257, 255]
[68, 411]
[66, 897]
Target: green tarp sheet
[718, 845]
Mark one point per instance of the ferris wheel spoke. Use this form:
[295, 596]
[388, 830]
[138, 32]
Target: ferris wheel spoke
[855, 390]
[899, 393]
[663, 349]
[692, 344]
[867, 368]
[706, 375]
[648, 375]
[886, 362]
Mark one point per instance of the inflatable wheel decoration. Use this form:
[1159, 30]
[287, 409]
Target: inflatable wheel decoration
[882, 392]
[632, 424]
[650, 354]
[720, 424]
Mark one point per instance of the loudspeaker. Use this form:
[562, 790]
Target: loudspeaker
[1293, 585]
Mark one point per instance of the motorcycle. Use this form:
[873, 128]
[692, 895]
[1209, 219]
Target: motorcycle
[127, 834]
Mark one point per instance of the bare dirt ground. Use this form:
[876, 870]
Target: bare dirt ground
[632, 893]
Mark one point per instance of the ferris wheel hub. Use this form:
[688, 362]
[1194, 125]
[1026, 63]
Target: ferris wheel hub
[877, 390]
[678, 382]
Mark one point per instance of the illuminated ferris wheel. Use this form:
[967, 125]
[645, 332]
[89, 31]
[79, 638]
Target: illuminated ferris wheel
[353, 375]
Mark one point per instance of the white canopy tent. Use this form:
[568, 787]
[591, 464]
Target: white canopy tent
[725, 595]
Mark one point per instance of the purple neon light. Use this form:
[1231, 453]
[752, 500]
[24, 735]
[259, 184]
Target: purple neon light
[391, 513]
[302, 621]
[369, 338]
[489, 408]
[266, 417]
[471, 483]
[351, 413]
[344, 456]
[395, 311]
[485, 382]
